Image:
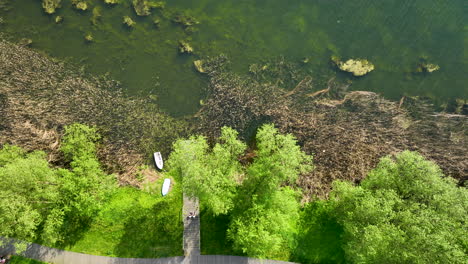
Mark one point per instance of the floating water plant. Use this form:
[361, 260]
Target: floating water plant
[184, 47]
[25, 42]
[156, 22]
[50, 5]
[143, 7]
[58, 19]
[185, 20]
[96, 15]
[128, 21]
[80, 5]
[199, 66]
[89, 37]
[111, 2]
[358, 67]
[429, 67]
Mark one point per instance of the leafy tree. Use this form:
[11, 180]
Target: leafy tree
[39, 202]
[85, 187]
[30, 192]
[264, 222]
[263, 213]
[278, 160]
[210, 175]
[267, 230]
[405, 211]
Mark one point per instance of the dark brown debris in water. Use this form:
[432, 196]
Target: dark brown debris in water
[38, 97]
[347, 132]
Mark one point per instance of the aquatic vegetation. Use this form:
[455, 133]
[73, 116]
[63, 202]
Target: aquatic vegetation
[347, 114]
[156, 22]
[188, 22]
[80, 5]
[358, 67]
[5, 5]
[199, 66]
[128, 21]
[54, 95]
[96, 15]
[50, 5]
[112, 2]
[184, 47]
[89, 37]
[430, 67]
[25, 42]
[143, 7]
[58, 19]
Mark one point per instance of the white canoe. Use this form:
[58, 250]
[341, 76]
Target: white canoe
[165, 187]
[158, 160]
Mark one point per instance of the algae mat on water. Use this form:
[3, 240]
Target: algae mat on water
[394, 35]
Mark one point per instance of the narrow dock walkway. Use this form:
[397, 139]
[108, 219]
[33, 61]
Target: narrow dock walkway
[191, 227]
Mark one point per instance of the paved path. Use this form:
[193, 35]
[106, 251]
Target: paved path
[57, 256]
[191, 227]
[191, 249]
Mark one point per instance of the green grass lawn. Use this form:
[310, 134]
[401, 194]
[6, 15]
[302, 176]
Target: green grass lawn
[135, 223]
[22, 260]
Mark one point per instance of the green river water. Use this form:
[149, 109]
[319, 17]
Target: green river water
[393, 34]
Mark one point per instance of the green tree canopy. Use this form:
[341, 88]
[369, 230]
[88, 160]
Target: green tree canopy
[212, 175]
[405, 211]
[85, 186]
[30, 192]
[263, 213]
[264, 221]
[267, 229]
[39, 202]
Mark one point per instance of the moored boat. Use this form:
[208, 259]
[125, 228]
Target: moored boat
[158, 160]
[165, 187]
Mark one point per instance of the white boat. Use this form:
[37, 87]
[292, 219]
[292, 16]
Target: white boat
[158, 160]
[165, 187]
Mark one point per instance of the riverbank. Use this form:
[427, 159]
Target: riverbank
[40, 95]
[348, 132]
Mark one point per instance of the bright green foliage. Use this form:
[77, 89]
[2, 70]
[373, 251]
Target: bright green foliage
[79, 142]
[279, 160]
[265, 218]
[9, 154]
[41, 203]
[86, 185]
[267, 230]
[403, 212]
[210, 175]
[30, 191]
[263, 214]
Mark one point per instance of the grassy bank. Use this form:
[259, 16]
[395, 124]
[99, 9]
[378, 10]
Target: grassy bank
[23, 260]
[134, 223]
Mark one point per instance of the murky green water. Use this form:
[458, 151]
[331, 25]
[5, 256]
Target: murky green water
[393, 34]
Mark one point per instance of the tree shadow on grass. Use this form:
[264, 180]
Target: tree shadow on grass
[320, 236]
[213, 234]
[153, 232]
[72, 231]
